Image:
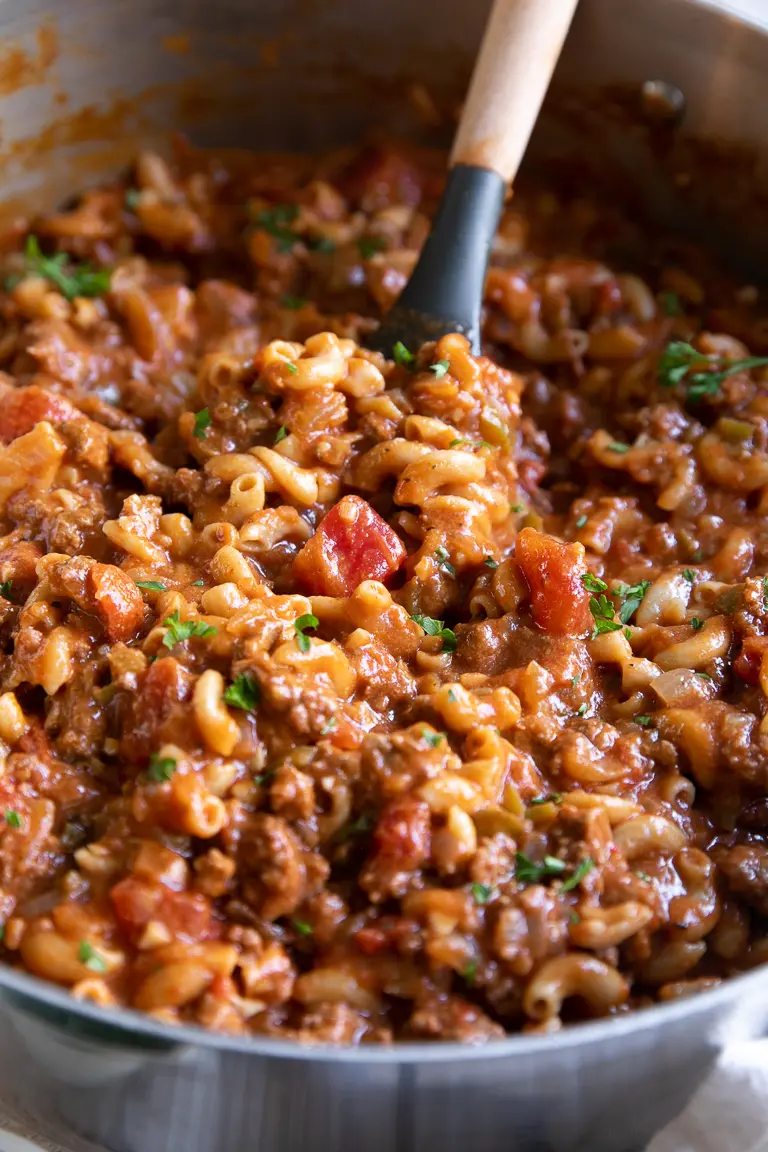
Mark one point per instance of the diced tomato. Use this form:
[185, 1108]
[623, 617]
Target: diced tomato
[402, 836]
[117, 600]
[380, 177]
[22, 408]
[154, 710]
[747, 663]
[136, 902]
[553, 571]
[391, 932]
[36, 742]
[371, 940]
[352, 544]
[187, 914]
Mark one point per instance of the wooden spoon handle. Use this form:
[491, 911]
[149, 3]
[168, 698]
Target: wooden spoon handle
[521, 46]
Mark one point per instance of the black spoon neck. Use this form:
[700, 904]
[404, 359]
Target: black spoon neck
[445, 291]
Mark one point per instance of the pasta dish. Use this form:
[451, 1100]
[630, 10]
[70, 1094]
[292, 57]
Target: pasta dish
[356, 700]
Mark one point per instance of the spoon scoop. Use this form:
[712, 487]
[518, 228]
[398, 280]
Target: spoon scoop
[521, 45]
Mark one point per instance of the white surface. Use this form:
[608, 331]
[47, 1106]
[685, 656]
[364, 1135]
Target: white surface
[729, 1113]
[11, 1143]
[756, 9]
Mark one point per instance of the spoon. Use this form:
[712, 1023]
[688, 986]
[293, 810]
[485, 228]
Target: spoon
[521, 45]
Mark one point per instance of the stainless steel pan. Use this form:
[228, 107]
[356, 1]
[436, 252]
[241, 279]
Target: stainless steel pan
[76, 100]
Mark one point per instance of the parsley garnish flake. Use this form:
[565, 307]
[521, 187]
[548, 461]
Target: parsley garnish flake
[88, 956]
[243, 692]
[161, 768]
[679, 358]
[181, 630]
[301, 625]
[202, 424]
[444, 561]
[402, 356]
[437, 628]
[70, 278]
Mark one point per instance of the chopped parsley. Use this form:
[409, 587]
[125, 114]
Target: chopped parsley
[370, 245]
[151, 585]
[132, 199]
[5, 589]
[670, 303]
[459, 442]
[696, 623]
[202, 424]
[321, 244]
[517, 508]
[402, 356]
[470, 972]
[704, 676]
[644, 876]
[440, 367]
[291, 368]
[586, 865]
[70, 278]
[550, 798]
[281, 434]
[12, 818]
[581, 710]
[689, 575]
[301, 625]
[293, 303]
[729, 601]
[490, 562]
[602, 610]
[198, 584]
[161, 768]
[355, 828]
[452, 696]
[527, 871]
[593, 583]
[643, 721]
[181, 630]
[329, 726]
[615, 446]
[632, 595]
[432, 738]
[437, 628]
[302, 927]
[443, 561]
[581, 521]
[765, 593]
[482, 893]
[275, 221]
[679, 358]
[243, 692]
[88, 956]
